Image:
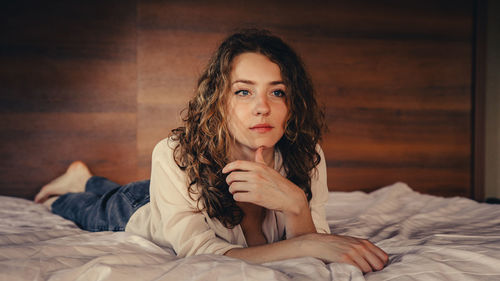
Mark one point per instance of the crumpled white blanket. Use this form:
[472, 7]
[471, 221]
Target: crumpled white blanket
[426, 237]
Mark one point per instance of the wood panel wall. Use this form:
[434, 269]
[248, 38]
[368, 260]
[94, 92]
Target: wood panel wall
[104, 81]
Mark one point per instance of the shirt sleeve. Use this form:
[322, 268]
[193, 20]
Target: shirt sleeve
[319, 189]
[175, 219]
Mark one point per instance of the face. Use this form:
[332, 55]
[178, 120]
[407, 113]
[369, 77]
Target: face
[256, 107]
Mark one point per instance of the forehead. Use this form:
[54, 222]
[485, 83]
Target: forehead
[254, 67]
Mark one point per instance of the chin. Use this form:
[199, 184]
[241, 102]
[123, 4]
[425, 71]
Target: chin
[254, 143]
[266, 144]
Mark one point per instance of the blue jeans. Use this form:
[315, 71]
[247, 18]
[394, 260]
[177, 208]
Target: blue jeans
[104, 206]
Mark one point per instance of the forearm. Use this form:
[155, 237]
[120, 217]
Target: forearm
[298, 219]
[328, 248]
[286, 249]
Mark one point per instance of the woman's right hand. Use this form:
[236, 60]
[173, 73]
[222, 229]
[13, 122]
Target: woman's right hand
[338, 248]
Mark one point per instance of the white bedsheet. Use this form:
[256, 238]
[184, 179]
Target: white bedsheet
[427, 238]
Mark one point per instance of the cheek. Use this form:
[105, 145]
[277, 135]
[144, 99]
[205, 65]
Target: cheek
[239, 112]
[284, 116]
[230, 113]
[234, 119]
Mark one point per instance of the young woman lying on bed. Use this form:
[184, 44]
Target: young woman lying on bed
[244, 177]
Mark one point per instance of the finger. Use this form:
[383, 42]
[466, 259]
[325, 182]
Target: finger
[237, 176]
[236, 187]
[350, 260]
[375, 262]
[379, 253]
[240, 165]
[361, 263]
[243, 197]
[259, 158]
[384, 257]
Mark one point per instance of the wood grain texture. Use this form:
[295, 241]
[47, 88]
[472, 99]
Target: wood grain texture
[68, 91]
[169, 63]
[394, 78]
[36, 147]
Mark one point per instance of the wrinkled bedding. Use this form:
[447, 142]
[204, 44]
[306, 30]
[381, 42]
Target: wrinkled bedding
[426, 237]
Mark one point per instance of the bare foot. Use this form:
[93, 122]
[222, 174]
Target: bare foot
[49, 201]
[73, 180]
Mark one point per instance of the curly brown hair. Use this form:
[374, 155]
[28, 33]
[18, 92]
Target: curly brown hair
[204, 140]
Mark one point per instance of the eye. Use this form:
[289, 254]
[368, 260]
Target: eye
[278, 93]
[242, 93]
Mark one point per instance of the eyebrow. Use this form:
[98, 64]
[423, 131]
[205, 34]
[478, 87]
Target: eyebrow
[253, 83]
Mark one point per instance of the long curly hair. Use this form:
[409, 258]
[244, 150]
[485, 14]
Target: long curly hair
[204, 140]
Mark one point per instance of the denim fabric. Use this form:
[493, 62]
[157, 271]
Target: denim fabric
[104, 206]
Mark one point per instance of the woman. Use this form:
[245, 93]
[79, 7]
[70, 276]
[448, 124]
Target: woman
[244, 177]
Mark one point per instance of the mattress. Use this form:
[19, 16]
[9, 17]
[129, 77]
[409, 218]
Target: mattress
[426, 237]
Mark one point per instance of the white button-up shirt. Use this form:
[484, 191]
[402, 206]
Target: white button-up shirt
[172, 219]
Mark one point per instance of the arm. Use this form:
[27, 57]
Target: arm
[329, 248]
[254, 182]
[174, 219]
[315, 208]
[320, 195]
[298, 219]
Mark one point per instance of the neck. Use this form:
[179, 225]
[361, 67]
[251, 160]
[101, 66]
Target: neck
[248, 154]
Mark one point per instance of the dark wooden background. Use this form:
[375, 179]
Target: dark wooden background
[104, 81]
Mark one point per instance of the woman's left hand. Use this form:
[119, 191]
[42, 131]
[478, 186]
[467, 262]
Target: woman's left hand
[255, 182]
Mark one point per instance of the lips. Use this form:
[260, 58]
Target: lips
[261, 128]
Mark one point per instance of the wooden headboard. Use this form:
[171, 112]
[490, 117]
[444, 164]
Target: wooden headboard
[103, 82]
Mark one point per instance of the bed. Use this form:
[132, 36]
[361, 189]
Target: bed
[427, 238]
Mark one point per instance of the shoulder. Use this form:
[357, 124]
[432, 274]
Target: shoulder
[168, 180]
[164, 163]
[164, 149]
[166, 145]
[319, 150]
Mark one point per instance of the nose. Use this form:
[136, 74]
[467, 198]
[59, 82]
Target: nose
[261, 106]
